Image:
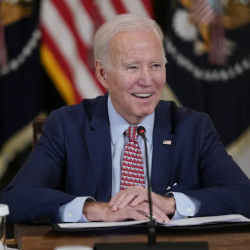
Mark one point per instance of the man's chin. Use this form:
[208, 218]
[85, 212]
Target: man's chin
[147, 112]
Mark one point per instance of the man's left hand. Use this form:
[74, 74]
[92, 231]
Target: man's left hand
[133, 196]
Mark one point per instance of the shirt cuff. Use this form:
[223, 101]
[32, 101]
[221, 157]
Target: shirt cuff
[185, 206]
[72, 211]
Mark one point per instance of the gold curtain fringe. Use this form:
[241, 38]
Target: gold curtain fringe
[239, 145]
[14, 145]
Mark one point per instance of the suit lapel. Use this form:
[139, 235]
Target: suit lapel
[163, 166]
[99, 145]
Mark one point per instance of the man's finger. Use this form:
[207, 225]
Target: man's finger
[158, 214]
[126, 200]
[131, 196]
[138, 200]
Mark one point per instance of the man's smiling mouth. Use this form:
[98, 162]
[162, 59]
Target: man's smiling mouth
[142, 95]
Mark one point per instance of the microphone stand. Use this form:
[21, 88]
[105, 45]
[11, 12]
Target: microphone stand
[151, 245]
[151, 225]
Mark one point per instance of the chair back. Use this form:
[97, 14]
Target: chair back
[38, 123]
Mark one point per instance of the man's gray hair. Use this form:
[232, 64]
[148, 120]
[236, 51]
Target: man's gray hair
[120, 23]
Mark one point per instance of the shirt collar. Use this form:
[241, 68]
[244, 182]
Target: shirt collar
[118, 124]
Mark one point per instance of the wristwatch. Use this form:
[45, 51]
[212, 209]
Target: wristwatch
[170, 195]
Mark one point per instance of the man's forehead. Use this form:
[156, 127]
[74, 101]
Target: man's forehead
[130, 39]
[129, 43]
[126, 34]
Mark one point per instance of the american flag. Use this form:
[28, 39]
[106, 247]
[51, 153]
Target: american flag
[218, 52]
[202, 12]
[209, 12]
[68, 28]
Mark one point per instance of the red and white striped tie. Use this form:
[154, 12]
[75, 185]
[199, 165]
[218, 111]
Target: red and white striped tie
[132, 170]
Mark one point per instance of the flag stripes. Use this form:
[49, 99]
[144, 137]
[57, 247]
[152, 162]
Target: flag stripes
[119, 6]
[68, 29]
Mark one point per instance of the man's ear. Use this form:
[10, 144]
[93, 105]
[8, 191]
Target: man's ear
[101, 74]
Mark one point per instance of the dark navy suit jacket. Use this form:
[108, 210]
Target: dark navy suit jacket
[73, 158]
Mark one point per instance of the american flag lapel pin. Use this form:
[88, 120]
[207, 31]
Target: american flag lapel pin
[167, 142]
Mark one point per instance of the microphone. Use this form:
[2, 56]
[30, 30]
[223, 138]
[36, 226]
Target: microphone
[151, 227]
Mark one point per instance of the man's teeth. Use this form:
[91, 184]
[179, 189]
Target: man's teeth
[142, 95]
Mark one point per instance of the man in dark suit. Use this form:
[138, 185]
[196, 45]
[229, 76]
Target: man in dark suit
[75, 171]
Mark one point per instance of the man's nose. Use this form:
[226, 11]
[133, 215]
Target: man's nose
[145, 77]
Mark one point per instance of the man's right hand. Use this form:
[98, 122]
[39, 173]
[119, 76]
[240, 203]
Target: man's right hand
[102, 211]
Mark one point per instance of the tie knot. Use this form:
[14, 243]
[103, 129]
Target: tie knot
[131, 133]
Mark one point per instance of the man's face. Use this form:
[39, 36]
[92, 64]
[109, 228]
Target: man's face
[137, 74]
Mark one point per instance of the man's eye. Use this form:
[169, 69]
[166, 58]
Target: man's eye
[133, 67]
[157, 66]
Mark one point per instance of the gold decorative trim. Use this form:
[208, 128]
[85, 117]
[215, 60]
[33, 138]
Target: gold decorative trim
[57, 74]
[168, 95]
[16, 144]
[11, 13]
[239, 145]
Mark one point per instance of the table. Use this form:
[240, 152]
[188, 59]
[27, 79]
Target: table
[34, 237]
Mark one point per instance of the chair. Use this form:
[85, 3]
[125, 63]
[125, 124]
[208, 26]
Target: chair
[38, 123]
